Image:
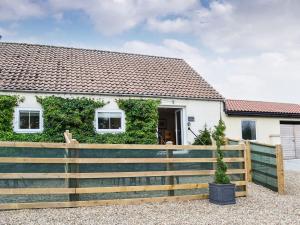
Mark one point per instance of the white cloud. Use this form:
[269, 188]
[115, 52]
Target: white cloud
[269, 76]
[117, 16]
[168, 48]
[13, 10]
[239, 26]
[168, 25]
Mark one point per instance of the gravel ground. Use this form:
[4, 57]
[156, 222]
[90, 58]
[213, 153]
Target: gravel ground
[260, 207]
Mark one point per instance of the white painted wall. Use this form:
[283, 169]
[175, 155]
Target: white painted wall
[267, 129]
[205, 112]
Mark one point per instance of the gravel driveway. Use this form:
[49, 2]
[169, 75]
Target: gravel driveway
[260, 207]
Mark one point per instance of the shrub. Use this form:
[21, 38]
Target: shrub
[204, 137]
[219, 136]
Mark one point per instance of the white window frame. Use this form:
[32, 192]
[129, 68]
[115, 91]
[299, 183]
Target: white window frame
[17, 121]
[110, 130]
[255, 128]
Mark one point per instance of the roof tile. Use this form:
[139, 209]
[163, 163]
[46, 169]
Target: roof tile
[27, 67]
[261, 107]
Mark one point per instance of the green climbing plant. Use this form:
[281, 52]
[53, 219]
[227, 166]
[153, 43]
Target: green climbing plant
[78, 115]
[7, 105]
[219, 136]
[141, 120]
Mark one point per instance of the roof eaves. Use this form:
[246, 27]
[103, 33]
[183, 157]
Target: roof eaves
[112, 94]
[262, 114]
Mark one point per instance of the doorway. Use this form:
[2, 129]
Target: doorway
[170, 126]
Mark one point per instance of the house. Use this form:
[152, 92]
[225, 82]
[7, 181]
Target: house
[187, 100]
[266, 122]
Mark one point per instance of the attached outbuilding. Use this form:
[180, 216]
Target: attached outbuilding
[266, 122]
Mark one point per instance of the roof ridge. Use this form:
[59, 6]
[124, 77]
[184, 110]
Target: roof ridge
[272, 102]
[91, 49]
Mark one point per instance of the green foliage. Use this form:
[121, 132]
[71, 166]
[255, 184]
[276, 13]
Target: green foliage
[7, 105]
[219, 136]
[36, 137]
[109, 138]
[141, 120]
[204, 137]
[74, 114]
[77, 115]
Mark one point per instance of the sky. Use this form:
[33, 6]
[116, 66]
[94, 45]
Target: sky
[245, 49]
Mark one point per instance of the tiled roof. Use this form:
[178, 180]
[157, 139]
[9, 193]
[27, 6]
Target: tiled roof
[261, 108]
[41, 68]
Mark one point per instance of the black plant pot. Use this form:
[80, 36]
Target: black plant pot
[222, 194]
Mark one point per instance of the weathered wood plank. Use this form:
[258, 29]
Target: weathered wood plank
[114, 160]
[39, 145]
[10, 206]
[42, 145]
[89, 190]
[113, 174]
[280, 169]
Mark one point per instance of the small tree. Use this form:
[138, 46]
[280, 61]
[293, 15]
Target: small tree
[219, 136]
[204, 137]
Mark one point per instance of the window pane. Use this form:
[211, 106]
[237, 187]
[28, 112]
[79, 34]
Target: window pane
[115, 123]
[24, 120]
[34, 120]
[103, 114]
[103, 123]
[115, 115]
[248, 130]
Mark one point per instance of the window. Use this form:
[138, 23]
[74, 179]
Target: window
[28, 120]
[110, 121]
[248, 130]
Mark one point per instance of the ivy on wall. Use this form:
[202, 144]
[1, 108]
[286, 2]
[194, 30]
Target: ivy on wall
[7, 105]
[141, 120]
[78, 115]
[74, 114]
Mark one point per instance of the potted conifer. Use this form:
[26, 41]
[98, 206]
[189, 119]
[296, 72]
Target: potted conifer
[221, 192]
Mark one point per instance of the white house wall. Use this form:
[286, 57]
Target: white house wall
[204, 112]
[267, 129]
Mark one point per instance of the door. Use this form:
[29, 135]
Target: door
[288, 143]
[178, 126]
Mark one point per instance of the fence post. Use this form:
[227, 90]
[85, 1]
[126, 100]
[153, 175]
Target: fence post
[68, 137]
[71, 168]
[170, 180]
[248, 160]
[280, 169]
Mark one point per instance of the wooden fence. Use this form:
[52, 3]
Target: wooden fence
[53, 175]
[265, 164]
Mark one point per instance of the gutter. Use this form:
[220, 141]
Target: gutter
[262, 114]
[112, 95]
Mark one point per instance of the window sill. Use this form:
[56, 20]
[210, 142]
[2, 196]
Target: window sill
[28, 131]
[105, 131]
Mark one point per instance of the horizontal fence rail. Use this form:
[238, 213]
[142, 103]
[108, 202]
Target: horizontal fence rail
[114, 174]
[114, 160]
[54, 175]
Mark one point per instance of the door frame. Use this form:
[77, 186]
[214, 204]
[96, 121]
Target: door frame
[181, 125]
[183, 120]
